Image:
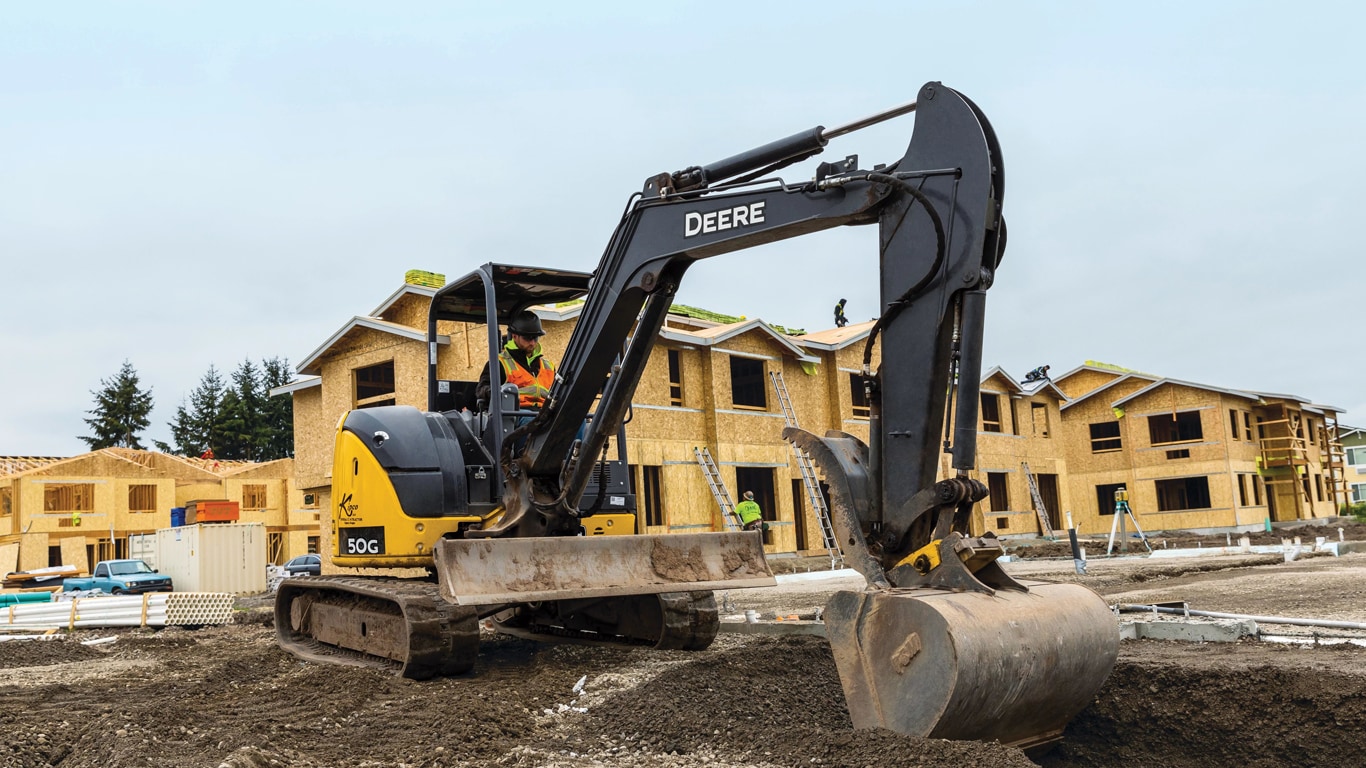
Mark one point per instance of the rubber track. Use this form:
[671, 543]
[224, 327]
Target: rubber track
[443, 639]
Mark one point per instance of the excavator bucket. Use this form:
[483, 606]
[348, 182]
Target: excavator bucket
[1012, 667]
[523, 570]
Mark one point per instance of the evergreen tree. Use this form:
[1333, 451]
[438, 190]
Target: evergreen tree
[194, 429]
[120, 411]
[278, 439]
[234, 440]
[238, 422]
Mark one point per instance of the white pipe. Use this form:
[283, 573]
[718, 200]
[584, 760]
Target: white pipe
[1333, 623]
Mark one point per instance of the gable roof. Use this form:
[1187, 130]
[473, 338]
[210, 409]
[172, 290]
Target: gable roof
[302, 382]
[135, 462]
[310, 363]
[832, 339]
[1043, 385]
[1107, 385]
[1193, 385]
[707, 337]
[997, 370]
[407, 289]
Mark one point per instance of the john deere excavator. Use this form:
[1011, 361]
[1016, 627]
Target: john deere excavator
[524, 517]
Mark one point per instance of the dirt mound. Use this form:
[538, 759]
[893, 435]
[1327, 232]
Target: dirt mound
[38, 653]
[1250, 704]
[769, 700]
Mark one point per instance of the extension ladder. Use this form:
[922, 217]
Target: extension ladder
[1044, 526]
[808, 471]
[718, 488]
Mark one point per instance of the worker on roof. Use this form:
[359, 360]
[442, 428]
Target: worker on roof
[522, 363]
[840, 319]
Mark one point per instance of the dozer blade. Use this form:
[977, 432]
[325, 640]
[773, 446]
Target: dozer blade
[1013, 667]
[491, 571]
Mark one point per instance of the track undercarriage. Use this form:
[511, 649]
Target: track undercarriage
[405, 625]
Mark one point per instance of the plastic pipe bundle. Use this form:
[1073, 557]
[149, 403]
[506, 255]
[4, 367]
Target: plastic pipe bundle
[158, 609]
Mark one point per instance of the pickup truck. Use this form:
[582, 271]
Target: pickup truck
[121, 577]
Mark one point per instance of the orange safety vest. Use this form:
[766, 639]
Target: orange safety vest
[532, 390]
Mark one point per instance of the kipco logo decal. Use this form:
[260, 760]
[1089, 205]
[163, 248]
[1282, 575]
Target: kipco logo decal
[727, 218]
[347, 508]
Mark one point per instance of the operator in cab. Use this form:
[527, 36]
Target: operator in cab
[522, 363]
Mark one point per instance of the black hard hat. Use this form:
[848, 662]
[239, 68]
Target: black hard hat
[526, 323]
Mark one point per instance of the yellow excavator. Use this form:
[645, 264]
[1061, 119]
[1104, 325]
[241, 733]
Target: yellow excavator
[525, 517]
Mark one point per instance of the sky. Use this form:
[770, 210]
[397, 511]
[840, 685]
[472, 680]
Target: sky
[186, 185]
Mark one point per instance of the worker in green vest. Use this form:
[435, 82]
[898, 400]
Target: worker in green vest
[751, 517]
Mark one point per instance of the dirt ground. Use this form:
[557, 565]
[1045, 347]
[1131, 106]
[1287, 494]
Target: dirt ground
[227, 696]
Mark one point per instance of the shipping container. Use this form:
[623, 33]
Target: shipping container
[143, 546]
[223, 557]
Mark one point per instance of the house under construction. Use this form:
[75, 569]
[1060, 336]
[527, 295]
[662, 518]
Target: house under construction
[707, 418]
[79, 510]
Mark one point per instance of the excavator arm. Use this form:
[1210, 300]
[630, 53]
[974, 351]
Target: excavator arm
[988, 657]
[938, 209]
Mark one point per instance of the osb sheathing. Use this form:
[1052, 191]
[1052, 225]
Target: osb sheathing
[1007, 452]
[312, 435]
[74, 553]
[188, 492]
[9, 557]
[1085, 380]
[409, 309]
[1139, 463]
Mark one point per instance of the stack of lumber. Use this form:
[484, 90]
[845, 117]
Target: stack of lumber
[39, 578]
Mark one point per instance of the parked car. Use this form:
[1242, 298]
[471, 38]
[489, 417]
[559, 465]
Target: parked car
[305, 565]
[121, 577]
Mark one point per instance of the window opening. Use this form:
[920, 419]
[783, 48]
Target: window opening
[1182, 493]
[142, 498]
[675, 378]
[1105, 497]
[747, 383]
[375, 385]
[991, 412]
[254, 497]
[999, 488]
[1038, 413]
[69, 497]
[858, 396]
[1105, 437]
[651, 497]
[1175, 428]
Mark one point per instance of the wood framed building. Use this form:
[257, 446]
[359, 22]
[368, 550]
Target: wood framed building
[76, 511]
[1192, 456]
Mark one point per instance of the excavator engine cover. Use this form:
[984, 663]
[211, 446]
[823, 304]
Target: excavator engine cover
[1013, 666]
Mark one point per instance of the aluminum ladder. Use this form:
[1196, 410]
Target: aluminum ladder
[808, 470]
[1044, 526]
[718, 488]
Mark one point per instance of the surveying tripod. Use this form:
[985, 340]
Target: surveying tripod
[1122, 511]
